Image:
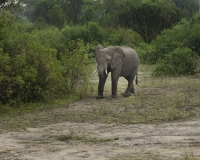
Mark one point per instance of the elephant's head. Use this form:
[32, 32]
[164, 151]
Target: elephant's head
[108, 57]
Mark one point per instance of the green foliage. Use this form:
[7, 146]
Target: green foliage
[57, 12]
[148, 18]
[30, 70]
[181, 61]
[147, 53]
[184, 34]
[51, 12]
[193, 39]
[90, 32]
[188, 7]
[11, 5]
[91, 11]
[74, 62]
[52, 37]
[57, 16]
[121, 36]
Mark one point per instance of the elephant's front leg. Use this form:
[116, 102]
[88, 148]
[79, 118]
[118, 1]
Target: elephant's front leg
[101, 87]
[114, 78]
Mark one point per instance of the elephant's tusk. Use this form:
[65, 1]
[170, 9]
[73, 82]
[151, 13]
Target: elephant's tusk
[106, 72]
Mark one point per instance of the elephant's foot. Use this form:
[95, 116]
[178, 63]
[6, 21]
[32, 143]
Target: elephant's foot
[114, 96]
[99, 97]
[127, 94]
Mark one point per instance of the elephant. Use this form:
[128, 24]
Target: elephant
[121, 62]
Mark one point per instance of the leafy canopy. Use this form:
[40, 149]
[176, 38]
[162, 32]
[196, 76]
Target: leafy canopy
[148, 17]
[188, 7]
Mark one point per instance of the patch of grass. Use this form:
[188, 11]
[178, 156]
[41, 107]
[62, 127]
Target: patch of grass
[138, 156]
[188, 156]
[151, 156]
[31, 114]
[85, 138]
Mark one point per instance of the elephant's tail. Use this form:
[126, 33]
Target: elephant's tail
[136, 80]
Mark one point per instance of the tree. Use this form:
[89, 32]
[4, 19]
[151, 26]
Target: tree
[63, 9]
[189, 7]
[91, 10]
[2, 3]
[11, 5]
[148, 17]
[73, 9]
[29, 8]
[51, 11]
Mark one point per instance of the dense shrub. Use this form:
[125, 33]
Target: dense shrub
[29, 68]
[181, 61]
[50, 36]
[147, 53]
[193, 40]
[184, 34]
[121, 36]
[90, 32]
[74, 62]
[27, 73]
[94, 34]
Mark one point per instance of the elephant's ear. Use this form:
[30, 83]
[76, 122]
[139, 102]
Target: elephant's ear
[117, 57]
[98, 47]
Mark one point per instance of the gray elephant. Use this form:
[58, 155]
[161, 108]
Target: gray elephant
[120, 61]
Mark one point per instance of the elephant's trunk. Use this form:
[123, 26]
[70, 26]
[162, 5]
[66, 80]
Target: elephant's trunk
[102, 71]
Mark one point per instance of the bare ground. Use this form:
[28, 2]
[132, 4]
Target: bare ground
[89, 140]
[139, 141]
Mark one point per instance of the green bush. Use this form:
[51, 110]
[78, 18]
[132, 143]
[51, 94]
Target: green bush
[74, 62]
[50, 36]
[184, 34]
[28, 71]
[94, 34]
[90, 33]
[29, 68]
[182, 61]
[121, 36]
[147, 54]
[193, 39]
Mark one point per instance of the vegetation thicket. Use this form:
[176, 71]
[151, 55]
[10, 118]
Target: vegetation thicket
[46, 46]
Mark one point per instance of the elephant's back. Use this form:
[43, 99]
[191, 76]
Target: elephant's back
[130, 55]
[131, 61]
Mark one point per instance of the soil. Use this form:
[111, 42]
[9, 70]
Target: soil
[139, 141]
[174, 140]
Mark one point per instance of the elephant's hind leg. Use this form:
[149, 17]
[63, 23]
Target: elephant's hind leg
[130, 88]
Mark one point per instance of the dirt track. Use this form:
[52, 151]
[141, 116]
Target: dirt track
[140, 141]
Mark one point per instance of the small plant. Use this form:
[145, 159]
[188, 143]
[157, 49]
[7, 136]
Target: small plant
[85, 138]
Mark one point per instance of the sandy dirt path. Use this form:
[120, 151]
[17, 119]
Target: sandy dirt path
[166, 141]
